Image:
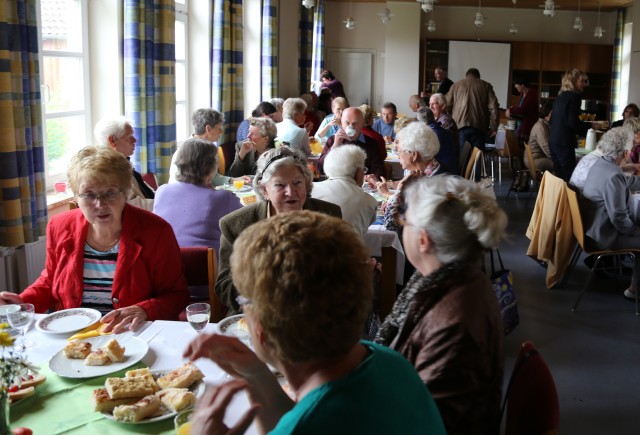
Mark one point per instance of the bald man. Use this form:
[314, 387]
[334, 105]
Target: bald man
[350, 132]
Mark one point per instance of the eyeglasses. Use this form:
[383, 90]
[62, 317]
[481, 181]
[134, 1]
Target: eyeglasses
[108, 196]
[365, 169]
[242, 301]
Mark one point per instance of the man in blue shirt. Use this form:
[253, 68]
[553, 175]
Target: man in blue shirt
[384, 124]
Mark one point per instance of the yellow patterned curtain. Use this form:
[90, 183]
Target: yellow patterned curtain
[23, 205]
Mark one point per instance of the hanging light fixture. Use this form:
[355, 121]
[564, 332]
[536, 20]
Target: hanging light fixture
[513, 28]
[426, 5]
[479, 19]
[431, 24]
[598, 31]
[549, 8]
[308, 3]
[349, 23]
[385, 16]
[577, 22]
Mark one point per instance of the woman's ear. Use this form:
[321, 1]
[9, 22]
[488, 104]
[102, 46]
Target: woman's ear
[425, 245]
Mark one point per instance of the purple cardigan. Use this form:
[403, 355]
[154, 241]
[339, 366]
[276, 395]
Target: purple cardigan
[194, 211]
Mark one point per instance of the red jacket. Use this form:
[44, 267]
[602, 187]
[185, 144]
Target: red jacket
[148, 273]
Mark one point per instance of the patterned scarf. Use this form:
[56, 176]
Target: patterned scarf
[417, 284]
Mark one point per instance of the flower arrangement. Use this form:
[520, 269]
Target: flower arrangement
[14, 368]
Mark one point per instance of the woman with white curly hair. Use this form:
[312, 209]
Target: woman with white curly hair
[446, 321]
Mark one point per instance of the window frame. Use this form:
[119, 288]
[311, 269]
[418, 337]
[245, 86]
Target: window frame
[182, 15]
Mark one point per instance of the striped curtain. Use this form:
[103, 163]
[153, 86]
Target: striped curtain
[269, 58]
[23, 204]
[617, 66]
[226, 65]
[317, 58]
[149, 82]
[305, 48]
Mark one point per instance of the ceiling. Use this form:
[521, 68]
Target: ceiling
[561, 5]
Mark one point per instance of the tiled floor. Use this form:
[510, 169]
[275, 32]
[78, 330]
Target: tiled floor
[592, 353]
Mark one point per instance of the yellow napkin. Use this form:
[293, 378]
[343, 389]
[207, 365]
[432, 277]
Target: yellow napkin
[94, 330]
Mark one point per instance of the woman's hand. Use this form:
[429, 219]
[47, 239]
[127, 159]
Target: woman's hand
[372, 179]
[382, 187]
[118, 320]
[507, 113]
[246, 147]
[9, 298]
[245, 179]
[210, 410]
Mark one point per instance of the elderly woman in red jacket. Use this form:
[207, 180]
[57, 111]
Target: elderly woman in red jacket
[108, 255]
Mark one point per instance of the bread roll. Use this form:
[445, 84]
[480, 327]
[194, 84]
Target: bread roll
[120, 388]
[182, 377]
[103, 403]
[140, 410]
[176, 399]
[77, 350]
[113, 350]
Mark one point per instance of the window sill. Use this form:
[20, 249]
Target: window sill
[58, 200]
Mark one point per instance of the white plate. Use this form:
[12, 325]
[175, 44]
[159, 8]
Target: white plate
[135, 350]
[163, 413]
[229, 326]
[66, 321]
[244, 188]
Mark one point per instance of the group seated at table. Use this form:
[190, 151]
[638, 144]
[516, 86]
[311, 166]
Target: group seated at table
[261, 137]
[446, 321]
[108, 255]
[283, 183]
[331, 123]
[305, 285]
[263, 110]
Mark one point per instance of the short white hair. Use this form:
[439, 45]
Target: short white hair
[459, 218]
[418, 137]
[115, 127]
[292, 106]
[269, 163]
[344, 161]
[615, 142]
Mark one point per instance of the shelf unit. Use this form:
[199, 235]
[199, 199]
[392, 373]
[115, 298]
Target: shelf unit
[436, 53]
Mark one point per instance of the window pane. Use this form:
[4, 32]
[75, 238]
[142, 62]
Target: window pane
[180, 40]
[65, 136]
[65, 79]
[181, 82]
[182, 2]
[61, 25]
[181, 117]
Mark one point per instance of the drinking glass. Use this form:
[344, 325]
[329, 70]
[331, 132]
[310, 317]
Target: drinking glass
[182, 423]
[198, 316]
[238, 184]
[21, 320]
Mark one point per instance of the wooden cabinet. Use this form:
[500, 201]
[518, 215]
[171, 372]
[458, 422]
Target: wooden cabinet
[592, 58]
[556, 57]
[526, 55]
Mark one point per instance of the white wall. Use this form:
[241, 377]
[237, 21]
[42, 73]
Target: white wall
[288, 46]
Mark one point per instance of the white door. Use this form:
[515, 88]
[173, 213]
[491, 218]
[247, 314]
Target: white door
[355, 70]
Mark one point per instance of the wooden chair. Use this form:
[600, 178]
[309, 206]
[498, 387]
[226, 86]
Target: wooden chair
[201, 269]
[579, 234]
[465, 153]
[229, 152]
[531, 398]
[535, 176]
[474, 158]
[222, 162]
[150, 179]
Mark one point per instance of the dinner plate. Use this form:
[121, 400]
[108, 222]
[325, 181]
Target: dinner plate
[163, 413]
[229, 326]
[66, 321]
[244, 188]
[135, 350]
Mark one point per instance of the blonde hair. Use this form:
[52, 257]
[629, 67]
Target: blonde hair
[402, 123]
[101, 164]
[570, 79]
[310, 302]
[367, 114]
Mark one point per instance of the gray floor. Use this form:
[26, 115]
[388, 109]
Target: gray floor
[592, 353]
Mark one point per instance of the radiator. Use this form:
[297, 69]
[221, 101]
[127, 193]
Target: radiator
[21, 266]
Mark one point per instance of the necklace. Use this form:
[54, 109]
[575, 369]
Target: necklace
[104, 245]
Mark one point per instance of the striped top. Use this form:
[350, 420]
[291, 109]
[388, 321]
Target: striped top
[98, 272]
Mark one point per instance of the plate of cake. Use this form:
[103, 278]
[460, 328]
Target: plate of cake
[97, 356]
[146, 396]
[235, 326]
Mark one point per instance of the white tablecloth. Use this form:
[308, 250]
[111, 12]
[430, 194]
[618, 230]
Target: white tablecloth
[378, 237]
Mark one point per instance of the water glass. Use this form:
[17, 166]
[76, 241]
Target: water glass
[21, 319]
[198, 315]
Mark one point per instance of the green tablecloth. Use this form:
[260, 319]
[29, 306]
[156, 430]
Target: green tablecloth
[63, 405]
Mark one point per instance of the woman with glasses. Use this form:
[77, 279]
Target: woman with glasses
[108, 255]
[261, 137]
[283, 183]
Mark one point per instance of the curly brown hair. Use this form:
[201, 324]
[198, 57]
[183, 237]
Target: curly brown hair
[309, 281]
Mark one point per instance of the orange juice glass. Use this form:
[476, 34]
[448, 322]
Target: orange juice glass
[238, 184]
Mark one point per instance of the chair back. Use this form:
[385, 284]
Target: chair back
[464, 157]
[200, 270]
[222, 162]
[513, 150]
[150, 179]
[476, 155]
[531, 397]
[229, 152]
[576, 217]
[532, 164]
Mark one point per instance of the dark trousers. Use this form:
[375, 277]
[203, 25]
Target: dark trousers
[564, 162]
[474, 136]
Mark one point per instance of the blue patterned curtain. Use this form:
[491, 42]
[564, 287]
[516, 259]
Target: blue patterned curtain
[269, 58]
[305, 48]
[23, 204]
[149, 82]
[317, 58]
[226, 65]
[617, 66]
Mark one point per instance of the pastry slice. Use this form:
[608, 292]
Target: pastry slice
[113, 350]
[182, 377]
[103, 403]
[142, 373]
[97, 358]
[140, 410]
[120, 388]
[176, 399]
[77, 350]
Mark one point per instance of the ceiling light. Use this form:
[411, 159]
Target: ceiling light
[349, 23]
[479, 20]
[385, 16]
[308, 3]
[431, 25]
[577, 24]
[549, 8]
[513, 29]
[597, 32]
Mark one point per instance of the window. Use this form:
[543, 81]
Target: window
[182, 73]
[65, 87]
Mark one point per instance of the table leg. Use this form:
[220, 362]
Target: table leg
[388, 288]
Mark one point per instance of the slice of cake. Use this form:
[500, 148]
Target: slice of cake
[140, 410]
[97, 358]
[120, 388]
[103, 403]
[143, 373]
[176, 399]
[113, 350]
[182, 377]
[77, 350]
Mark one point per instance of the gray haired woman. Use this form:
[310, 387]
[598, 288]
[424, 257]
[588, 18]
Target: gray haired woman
[446, 321]
[282, 183]
[261, 137]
